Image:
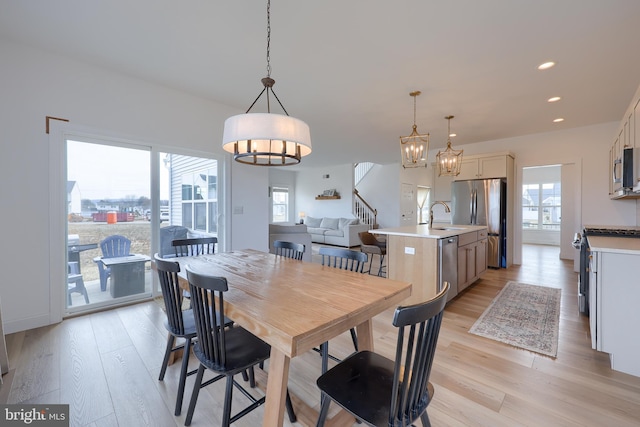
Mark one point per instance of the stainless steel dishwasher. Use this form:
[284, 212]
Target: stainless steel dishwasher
[448, 265]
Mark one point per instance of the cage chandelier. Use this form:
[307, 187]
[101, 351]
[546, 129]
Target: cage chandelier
[450, 160]
[414, 147]
[266, 139]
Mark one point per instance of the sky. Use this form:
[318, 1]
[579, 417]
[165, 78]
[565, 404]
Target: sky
[109, 172]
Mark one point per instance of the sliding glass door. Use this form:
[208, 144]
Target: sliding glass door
[108, 229]
[124, 203]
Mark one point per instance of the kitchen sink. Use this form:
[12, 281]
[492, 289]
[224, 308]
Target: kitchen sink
[447, 228]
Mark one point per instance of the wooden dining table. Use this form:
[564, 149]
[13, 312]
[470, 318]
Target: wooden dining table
[295, 306]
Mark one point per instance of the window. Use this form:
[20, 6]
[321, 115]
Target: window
[541, 206]
[200, 200]
[280, 204]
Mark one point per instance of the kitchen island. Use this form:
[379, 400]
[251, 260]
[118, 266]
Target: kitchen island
[415, 254]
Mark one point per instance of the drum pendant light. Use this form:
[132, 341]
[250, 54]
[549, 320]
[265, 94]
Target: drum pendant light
[266, 139]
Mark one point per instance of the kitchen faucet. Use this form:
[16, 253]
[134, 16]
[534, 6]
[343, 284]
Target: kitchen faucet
[446, 209]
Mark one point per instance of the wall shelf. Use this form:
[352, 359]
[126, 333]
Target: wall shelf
[327, 197]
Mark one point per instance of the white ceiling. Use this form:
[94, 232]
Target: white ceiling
[346, 67]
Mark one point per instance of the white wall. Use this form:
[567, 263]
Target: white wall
[380, 188]
[588, 147]
[310, 183]
[36, 84]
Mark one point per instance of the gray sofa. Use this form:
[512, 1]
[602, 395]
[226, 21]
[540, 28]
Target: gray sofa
[291, 233]
[335, 231]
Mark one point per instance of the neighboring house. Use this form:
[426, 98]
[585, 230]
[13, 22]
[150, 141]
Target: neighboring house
[193, 195]
[107, 208]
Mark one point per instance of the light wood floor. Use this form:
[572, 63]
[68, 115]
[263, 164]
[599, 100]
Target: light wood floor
[105, 365]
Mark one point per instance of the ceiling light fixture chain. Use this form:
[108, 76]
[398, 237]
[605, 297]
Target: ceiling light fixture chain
[414, 95]
[266, 139]
[268, 38]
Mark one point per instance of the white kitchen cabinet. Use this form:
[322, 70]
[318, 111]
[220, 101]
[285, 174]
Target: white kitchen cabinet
[482, 167]
[481, 255]
[614, 317]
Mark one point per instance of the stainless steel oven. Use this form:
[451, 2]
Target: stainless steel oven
[581, 242]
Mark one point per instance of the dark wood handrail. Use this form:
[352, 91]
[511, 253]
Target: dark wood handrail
[375, 211]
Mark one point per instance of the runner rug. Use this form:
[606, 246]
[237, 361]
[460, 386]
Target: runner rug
[524, 316]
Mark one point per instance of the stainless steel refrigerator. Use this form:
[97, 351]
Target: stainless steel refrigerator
[483, 202]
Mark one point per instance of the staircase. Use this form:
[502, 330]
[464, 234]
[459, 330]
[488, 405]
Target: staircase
[362, 209]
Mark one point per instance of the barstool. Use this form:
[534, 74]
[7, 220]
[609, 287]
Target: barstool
[371, 245]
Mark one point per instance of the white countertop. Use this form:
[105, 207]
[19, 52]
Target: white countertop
[439, 231]
[624, 245]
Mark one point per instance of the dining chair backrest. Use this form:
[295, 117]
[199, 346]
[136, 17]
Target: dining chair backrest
[344, 259]
[195, 246]
[415, 351]
[289, 249]
[171, 293]
[115, 246]
[211, 336]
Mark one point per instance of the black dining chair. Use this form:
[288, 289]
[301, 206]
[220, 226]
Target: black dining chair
[194, 246]
[344, 259]
[382, 392]
[179, 323]
[289, 249]
[224, 351]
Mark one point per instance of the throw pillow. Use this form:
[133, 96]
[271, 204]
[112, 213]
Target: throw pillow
[313, 222]
[331, 223]
[347, 221]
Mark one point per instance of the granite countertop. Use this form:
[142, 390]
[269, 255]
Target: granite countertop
[623, 245]
[439, 231]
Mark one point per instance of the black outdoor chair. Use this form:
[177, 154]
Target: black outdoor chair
[344, 259]
[226, 352]
[383, 392]
[289, 249]
[180, 323]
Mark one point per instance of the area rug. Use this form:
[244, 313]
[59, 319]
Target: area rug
[524, 316]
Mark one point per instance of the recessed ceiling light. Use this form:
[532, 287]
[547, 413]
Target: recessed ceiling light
[554, 99]
[558, 120]
[546, 65]
[452, 135]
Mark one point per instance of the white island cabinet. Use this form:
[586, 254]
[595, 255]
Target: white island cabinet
[614, 292]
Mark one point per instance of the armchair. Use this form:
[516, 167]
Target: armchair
[112, 246]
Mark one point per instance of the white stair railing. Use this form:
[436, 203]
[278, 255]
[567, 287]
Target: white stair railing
[360, 170]
[364, 211]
